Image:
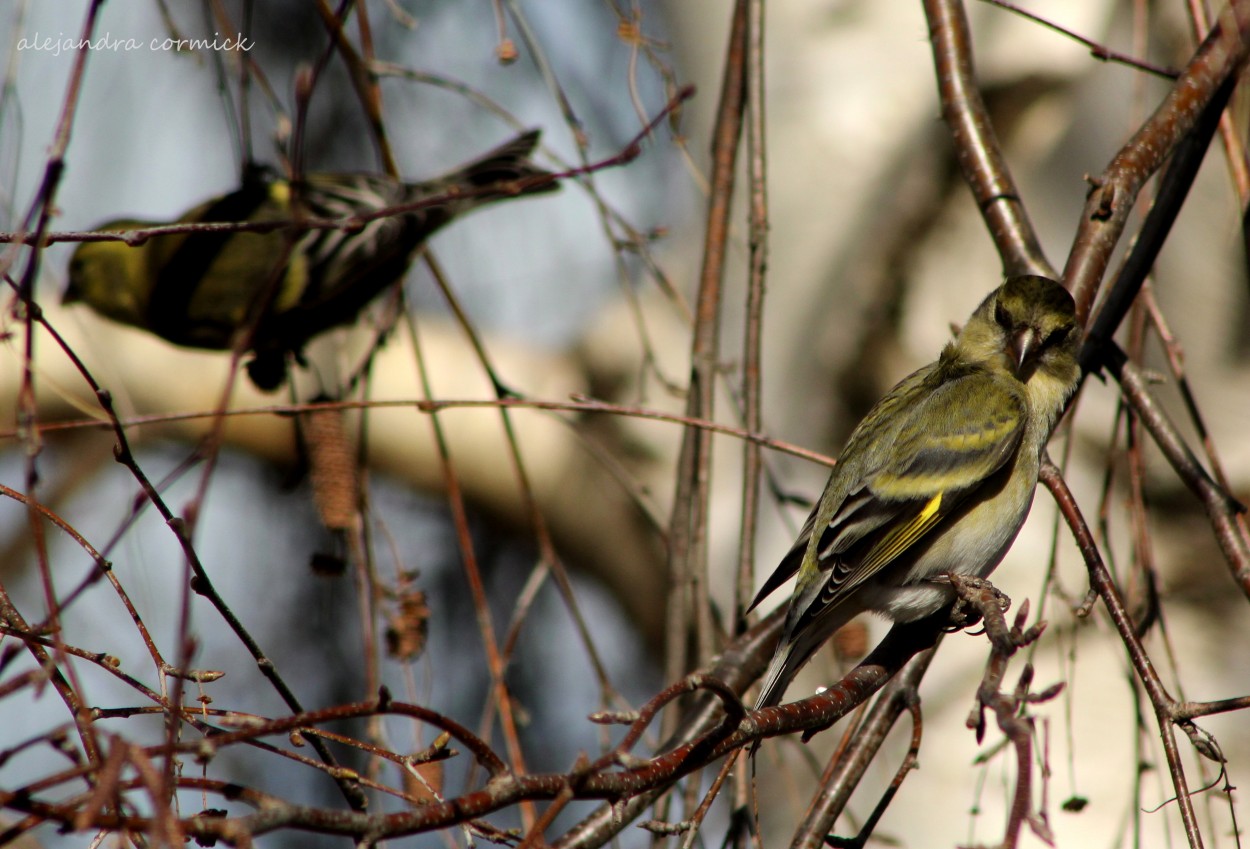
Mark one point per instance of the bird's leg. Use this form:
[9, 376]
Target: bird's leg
[977, 600]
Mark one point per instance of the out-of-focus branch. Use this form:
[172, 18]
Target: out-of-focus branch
[753, 332]
[688, 600]
[1221, 508]
[35, 224]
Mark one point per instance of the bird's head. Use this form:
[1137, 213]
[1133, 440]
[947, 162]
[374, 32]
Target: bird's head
[1027, 325]
[110, 277]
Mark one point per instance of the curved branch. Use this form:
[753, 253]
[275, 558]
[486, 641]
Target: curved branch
[980, 156]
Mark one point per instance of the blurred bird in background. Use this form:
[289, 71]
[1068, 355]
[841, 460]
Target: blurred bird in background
[285, 286]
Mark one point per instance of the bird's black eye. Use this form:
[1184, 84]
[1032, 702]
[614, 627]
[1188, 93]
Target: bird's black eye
[1056, 336]
[1002, 317]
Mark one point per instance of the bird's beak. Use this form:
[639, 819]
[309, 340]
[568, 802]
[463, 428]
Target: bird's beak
[1023, 346]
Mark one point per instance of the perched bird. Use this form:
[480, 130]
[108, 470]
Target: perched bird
[201, 289]
[937, 478]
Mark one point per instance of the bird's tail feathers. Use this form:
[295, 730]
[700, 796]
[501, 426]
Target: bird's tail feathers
[776, 680]
[503, 172]
[799, 642]
[785, 570]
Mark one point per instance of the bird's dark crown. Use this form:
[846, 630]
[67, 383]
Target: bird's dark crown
[1035, 301]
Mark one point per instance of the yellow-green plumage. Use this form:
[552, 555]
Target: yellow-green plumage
[937, 478]
[285, 286]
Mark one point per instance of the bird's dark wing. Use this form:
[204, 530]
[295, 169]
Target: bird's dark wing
[942, 453]
[875, 508]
